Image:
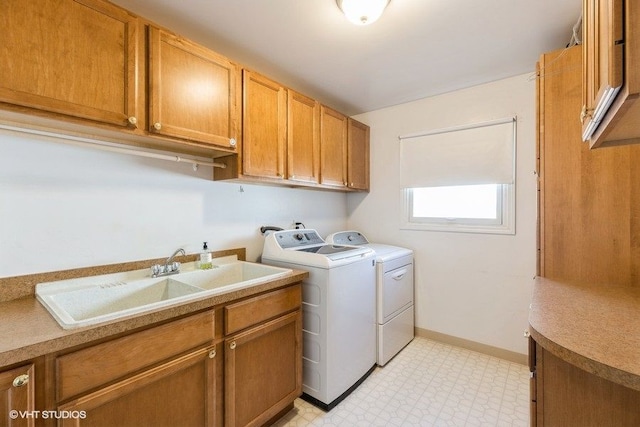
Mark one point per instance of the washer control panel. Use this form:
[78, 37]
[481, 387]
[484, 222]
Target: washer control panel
[297, 238]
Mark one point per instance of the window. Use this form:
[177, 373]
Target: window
[460, 179]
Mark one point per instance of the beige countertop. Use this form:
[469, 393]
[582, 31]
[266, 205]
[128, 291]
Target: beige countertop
[27, 330]
[594, 327]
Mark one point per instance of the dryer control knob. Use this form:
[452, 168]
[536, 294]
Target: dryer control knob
[298, 236]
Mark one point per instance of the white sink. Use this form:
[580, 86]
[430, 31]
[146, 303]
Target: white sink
[108, 300]
[93, 300]
[232, 276]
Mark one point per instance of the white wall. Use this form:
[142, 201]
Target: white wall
[64, 207]
[471, 286]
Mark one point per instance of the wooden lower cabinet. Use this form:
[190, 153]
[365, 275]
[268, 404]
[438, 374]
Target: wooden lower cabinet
[565, 395]
[259, 380]
[176, 393]
[17, 391]
[238, 364]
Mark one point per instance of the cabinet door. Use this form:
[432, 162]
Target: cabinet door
[264, 126]
[263, 371]
[73, 57]
[333, 147]
[603, 28]
[176, 393]
[193, 92]
[569, 396]
[17, 393]
[303, 138]
[358, 155]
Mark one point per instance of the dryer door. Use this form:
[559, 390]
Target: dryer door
[396, 292]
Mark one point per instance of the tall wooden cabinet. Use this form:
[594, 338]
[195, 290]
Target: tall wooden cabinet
[17, 391]
[589, 228]
[589, 233]
[78, 58]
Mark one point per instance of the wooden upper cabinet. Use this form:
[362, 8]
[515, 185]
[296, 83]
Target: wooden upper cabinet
[264, 126]
[303, 138]
[333, 147]
[73, 57]
[17, 393]
[602, 59]
[358, 155]
[194, 93]
[611, 72]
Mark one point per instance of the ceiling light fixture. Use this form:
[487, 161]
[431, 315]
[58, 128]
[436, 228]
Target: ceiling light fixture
[362, 12]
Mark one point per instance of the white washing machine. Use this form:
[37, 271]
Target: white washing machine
[395, 293]
[338, 311]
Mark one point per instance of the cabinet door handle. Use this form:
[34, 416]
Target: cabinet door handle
[133, 121]
[157, 126]
[21, 380]
[212, 353]
[232, 346]
[232, 142]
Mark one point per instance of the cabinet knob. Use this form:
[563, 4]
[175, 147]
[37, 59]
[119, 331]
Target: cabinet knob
[232, 142]
[585, 113]
[157, 126]
[232, 346]
[212, 353]
[133, 121]
[21, 380]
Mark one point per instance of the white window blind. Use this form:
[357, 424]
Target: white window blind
[482, 153]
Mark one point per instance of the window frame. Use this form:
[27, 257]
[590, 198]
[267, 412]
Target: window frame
[505, 200]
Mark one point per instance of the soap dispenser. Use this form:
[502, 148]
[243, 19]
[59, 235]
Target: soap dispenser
[205, 257]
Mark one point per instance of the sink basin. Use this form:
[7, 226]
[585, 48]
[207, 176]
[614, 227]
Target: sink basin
[92, 300]
[233, 276]
[96, 303]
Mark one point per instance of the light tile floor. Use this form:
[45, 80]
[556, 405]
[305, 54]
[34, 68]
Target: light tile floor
[429, 384]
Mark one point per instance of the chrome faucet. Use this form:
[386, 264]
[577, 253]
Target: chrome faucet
[170, 266]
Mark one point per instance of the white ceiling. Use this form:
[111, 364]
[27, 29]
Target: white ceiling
[417, 49]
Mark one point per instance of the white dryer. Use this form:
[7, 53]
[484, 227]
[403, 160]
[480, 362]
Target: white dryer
[338, 311]
[394, 290]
